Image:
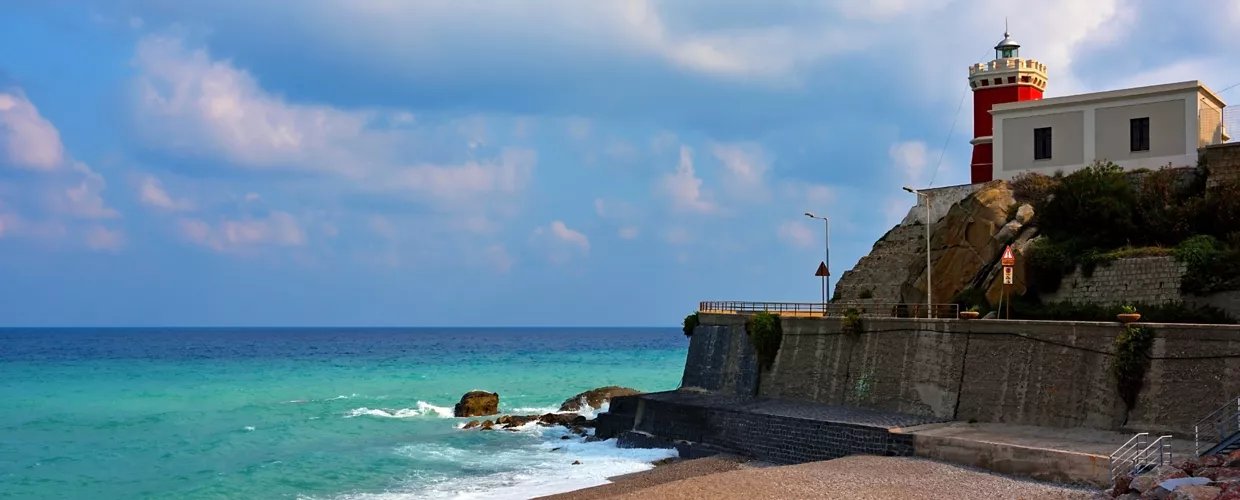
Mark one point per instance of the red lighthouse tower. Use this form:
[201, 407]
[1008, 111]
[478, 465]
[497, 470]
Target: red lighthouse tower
[1007, 78]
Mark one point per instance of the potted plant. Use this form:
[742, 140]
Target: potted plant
[970, 313]
[1128, 314]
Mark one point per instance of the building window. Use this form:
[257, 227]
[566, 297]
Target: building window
[1011, 79]
[1140, 136]
[1042, 143]
[1024, 79]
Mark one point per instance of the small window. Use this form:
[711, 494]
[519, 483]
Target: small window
[985, 83]
[1042, 143]
[1024, 78]
[998, 81]
[1011, 79]
[1140, 136]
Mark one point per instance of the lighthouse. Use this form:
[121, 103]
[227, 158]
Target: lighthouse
[1007, 78]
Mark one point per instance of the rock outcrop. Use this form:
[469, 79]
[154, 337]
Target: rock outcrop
[1216, 477]
[595, 398]
[477, 404]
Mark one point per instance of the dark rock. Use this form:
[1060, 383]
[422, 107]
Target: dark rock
[1129, 496]
[1233, 459]
[487, 425]
[477, 404]
[472, 424]
[556, 449]
[566, 437]
[564, 419]
[1228, 474]
[1122, 485]
[596, 397]
[1210, 473]
[576, 462]
[1172, 474]
[664, 461]
[1210, 461]
[1186, 465]
[1156, 493]
[515, 420]
[592, 439]
[580, 431]
[1229, 495]
[589, 423]
[1195, 492]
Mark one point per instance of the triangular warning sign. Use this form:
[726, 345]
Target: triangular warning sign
[822, 270]
[1009, 258]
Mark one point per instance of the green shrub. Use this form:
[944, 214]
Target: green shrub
[690, 324]
[972, 299]
[851, 324]
[1130, 362]
[1210, 265]
[1093, 205]
[765, 334]
[866, 294]
[1049, 261]
[1033, 188]
[1172, 312]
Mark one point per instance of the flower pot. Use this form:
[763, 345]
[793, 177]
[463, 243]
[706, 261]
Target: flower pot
[1129, 318]
[969, 314]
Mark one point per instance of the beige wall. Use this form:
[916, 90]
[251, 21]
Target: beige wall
[1067, 140]
[1167, 138]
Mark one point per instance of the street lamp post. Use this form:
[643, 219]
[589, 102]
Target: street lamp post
[826, 225]
[929, 301]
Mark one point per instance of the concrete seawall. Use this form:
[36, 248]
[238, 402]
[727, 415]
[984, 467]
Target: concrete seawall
[1053, 374]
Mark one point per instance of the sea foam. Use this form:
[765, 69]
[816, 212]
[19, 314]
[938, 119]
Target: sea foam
[423, 409]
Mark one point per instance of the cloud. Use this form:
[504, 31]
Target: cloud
[684, 188]
[677, 236]
[627, 233]
[28, 139]
[151, 193]
[190, 102]
[745, 170]
[797, 234]
[383, 227]
[230, 235]
[102, 238]
[910, 161]
[558, 239]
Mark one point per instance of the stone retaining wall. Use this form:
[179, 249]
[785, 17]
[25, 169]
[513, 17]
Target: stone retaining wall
[1054, 374]
[1223, 162]
[1141, 280]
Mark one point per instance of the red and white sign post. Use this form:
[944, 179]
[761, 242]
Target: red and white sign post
[1008, 260]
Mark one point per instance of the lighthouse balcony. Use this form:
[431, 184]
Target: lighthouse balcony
[1007, 65]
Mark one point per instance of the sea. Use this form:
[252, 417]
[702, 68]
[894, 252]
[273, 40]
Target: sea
[310, 413]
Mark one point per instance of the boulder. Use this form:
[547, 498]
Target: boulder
[1132, 495]
[576, 462]
[1210, 473]
[1156, 493]
[477, 404]
[487, 425]
[1233, 459]
[1211, 461]
[1186, 465]
[564, 419]
[1195, 492]
[472, 424]
[509, 421]
[1122, 485]
[1229, 495]
[1228, 474]
[595, 398]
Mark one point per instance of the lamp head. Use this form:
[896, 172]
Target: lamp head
[811, 215]
[909, 189]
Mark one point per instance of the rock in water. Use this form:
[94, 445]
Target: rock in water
[477, 404]
[472, 424]
[596, 397]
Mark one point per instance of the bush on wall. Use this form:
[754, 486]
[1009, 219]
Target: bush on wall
[765, 334]
[1130, 362]
[690, 324]
[851, 324]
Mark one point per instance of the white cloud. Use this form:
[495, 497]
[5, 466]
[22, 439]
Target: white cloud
[745, 169]
[798, 234]
[192, 102]
[558, 239]
[151, 193]
[102, 238]
[579, 128]
[677, 236]
[627, 233]
[684, 188]
[911, 163]
[382, 227]
[29, 140]
[237, 235]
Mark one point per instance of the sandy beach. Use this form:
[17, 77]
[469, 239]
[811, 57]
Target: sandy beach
[849, 478]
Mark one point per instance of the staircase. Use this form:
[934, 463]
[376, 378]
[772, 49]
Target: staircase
[1218, 432]
[1137, 456]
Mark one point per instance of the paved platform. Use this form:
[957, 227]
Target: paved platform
[806, 410]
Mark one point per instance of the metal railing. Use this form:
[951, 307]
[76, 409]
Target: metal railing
[1216, 427]
[1136, 455]
[834, 309]
[1218, 126]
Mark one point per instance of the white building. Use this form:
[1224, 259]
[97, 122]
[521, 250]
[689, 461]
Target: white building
[1144, 127]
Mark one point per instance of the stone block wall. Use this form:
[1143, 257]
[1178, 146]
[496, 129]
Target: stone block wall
[1141, 280]
[1045, 373]
[720, 360]
[1223, 162]
[941, 200]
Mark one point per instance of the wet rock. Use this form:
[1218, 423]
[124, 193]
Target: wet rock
[564, 419]
[566, 437]
[515, 420]
[1195, 492]
[1186, 465]
[477, 404]
[1132, 495]
[472, 424]
[1210, 473]
[664, 461]
[595, 398]
[487, 426]
[557, 448]
[576, 462]
[580, 431]
[1122, 485]
[1233, 459]
[1156, 493]
[1210, 461]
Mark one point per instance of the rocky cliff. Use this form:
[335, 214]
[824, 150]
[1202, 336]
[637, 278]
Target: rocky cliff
[965, 245]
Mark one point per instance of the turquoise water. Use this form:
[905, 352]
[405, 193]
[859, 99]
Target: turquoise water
[308, 414]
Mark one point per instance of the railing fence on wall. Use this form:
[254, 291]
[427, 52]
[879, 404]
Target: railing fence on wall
[1217, 427]
[1137, 456]
[833, 309]
[1218, 126]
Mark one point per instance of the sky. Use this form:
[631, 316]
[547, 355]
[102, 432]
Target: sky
[501, 162]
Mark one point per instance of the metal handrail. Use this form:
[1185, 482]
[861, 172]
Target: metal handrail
[865, 309]
[1216, 426]
[1135, 456]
